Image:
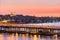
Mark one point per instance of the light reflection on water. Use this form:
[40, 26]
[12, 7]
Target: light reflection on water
[16, 36]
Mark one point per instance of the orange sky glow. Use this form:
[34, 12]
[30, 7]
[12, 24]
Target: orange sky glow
[32, 8]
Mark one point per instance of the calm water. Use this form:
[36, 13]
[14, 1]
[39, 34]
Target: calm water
[5, 36]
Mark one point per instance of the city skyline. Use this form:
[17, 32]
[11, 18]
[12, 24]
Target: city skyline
[31, 7]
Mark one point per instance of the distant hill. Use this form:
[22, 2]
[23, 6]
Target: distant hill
[28, 19]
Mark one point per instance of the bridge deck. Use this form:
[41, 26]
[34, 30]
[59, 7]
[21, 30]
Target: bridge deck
[28, 25]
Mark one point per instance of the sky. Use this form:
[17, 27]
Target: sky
[31, 7]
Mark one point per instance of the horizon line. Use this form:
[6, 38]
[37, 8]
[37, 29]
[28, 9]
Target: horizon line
[27, 15]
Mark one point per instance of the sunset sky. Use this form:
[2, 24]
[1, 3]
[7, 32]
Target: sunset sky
[31, 7]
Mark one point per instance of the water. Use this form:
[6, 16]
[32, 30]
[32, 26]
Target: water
[5, 36]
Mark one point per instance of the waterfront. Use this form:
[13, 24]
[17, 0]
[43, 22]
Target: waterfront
[16, 36]
[29, 31]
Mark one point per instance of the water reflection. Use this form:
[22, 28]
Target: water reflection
[35, 37]
[1, 36]
[16, 36]
[55, 37]
[10, 37]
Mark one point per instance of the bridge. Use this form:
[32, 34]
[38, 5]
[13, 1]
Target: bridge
[30, 25]
[29, 28]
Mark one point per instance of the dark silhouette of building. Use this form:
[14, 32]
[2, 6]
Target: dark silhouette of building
[27, 19]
